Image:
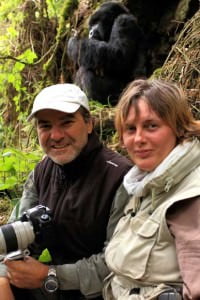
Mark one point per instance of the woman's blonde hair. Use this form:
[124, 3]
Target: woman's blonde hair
[166, 99]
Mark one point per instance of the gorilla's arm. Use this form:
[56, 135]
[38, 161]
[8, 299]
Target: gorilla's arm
[73, 49]
[87, 52]
[127, 42]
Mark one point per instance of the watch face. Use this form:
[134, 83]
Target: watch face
[51, 284]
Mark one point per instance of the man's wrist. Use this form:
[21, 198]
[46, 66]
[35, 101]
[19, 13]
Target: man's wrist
[51, 283]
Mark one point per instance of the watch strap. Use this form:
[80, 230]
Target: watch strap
[51, 283]
[52, 271]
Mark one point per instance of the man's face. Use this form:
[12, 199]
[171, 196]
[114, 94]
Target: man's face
[62, 136]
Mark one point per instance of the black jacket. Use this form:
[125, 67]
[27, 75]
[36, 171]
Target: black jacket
[80, 195]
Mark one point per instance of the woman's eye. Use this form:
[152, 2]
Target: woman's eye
[152, 126]
[130, 128]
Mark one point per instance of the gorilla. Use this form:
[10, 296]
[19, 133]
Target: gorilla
[113, 54]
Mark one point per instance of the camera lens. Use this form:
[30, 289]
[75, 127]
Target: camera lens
[17, 235]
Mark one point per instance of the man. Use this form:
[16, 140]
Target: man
[77, 180]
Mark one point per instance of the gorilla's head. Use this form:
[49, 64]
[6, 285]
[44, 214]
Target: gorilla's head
[101, 22]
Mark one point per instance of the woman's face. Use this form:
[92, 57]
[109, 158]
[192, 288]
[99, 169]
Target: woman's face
[147, 138]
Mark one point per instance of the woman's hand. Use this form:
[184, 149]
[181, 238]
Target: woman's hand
[5, 290]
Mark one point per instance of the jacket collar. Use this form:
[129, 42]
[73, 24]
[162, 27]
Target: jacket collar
[182, 160]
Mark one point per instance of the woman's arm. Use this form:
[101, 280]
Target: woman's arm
[184, 223]
[5, 290]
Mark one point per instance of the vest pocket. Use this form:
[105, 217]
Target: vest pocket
[130, 248]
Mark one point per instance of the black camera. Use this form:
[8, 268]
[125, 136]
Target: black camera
[35, 225]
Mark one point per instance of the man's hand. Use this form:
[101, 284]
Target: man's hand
[28, 273]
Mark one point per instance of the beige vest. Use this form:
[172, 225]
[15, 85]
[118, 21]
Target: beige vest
[146, 255]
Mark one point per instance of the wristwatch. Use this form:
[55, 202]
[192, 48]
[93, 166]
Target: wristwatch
[51, 283]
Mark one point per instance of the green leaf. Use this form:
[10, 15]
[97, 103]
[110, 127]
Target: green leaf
[28, 56]
[45, 256]
[9, 183]
[12, 32]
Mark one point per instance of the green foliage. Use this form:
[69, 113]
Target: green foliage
[63, 27]
[12, 85]
[15, 58]
[54, 7]
[30, 36]
[7, 8]
[156, 73]
[96, 107]
[10, 25]
[15, 165]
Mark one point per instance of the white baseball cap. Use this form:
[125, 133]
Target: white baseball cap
[65, 97]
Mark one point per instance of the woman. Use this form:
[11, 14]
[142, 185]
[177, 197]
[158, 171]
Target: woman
[155, 249]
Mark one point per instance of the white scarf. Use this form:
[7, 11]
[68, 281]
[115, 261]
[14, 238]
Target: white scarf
[181, 161]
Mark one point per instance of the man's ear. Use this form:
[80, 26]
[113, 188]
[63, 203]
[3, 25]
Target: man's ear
[90, 125]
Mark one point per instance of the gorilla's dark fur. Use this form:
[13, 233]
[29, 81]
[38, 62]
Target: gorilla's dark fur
[112, 55]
